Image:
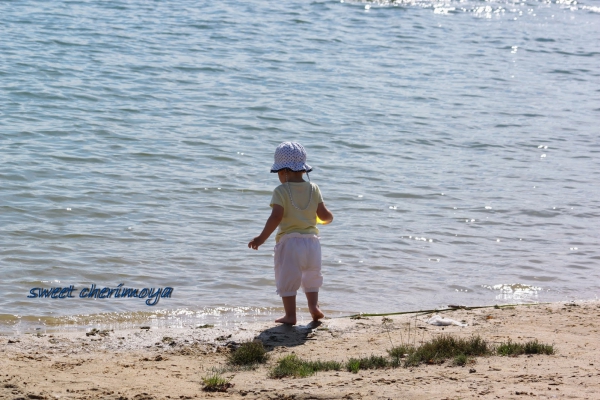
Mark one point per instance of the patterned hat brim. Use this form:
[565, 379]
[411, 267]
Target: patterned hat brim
[293, 167]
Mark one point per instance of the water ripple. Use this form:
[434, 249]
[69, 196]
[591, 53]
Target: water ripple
[137, 140]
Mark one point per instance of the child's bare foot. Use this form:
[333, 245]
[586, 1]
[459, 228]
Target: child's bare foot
[317, 314]
[286, 320]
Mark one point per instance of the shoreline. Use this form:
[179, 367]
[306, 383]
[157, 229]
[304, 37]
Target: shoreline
[163, 363]
[14, 325]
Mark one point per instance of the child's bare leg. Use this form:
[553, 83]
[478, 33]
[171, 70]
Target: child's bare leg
[289, 305]
[313, 305]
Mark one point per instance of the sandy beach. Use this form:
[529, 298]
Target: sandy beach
[169, 363]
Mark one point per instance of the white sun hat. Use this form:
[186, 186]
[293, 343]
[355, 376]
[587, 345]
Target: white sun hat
[290, 155]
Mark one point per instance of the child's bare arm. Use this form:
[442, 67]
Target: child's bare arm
[272, 224]
[324, 214]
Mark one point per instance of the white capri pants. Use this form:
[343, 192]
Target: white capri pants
[298, 263]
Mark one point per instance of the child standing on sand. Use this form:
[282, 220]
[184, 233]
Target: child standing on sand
[296, 206]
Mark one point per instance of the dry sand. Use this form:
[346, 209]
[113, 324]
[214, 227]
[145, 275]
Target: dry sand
[169, 363]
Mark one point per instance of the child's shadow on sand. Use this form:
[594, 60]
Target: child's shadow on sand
[287, 335]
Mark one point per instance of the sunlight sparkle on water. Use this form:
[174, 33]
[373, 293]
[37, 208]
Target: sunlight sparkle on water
[517, 291]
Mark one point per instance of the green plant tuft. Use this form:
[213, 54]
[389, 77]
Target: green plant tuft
[249, 353]
[353, 365]
[401, 351]
[534, 347]
[510, 348]
[461, 360]
[443, 347]
[291, 365]
[373, 362]
[215, 383]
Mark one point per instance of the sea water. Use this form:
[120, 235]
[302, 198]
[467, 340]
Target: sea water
[456, 143]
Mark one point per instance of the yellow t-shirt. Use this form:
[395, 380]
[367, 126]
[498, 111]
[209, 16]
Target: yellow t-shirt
[295, 220]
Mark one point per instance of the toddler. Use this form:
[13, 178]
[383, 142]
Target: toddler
[296, 205]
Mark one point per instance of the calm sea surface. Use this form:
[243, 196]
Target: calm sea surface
[456, 142]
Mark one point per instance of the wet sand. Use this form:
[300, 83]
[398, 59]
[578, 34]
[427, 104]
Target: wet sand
[169, 363]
